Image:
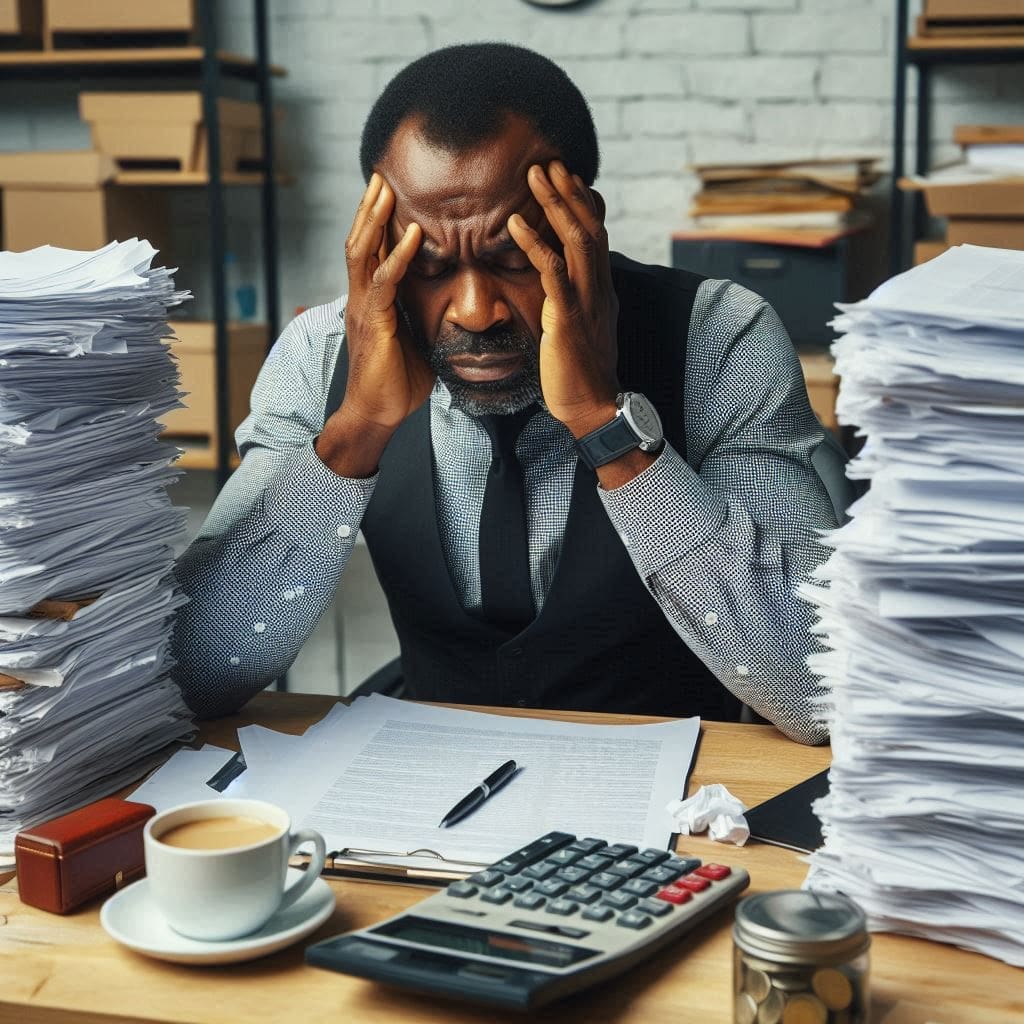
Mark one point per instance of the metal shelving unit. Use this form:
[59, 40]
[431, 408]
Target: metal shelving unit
[924, 53]
[210, 67]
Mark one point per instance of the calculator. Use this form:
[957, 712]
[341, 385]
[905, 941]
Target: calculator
[552, 918]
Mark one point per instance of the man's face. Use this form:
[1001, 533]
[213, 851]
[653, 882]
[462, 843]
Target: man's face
[472, 296]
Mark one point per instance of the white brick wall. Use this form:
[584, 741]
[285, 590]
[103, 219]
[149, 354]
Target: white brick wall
[670, 82]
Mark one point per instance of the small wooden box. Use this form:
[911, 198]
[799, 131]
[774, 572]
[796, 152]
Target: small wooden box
[77, 857]
[195, 349]
[166, 129]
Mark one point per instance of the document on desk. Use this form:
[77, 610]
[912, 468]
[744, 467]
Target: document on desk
[379, 776]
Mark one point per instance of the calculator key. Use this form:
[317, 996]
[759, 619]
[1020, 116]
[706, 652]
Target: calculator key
[595, 862]
[638, 887]
[584, 893]
[563, 907]
[657, 908]
[463, 890]
[661, 875]
[601, 913]
[684, 865]
[627, 868]
[633, 919]
[651, 857]
[573, 874]
[604, 880]
[672, 894]
[620, 851]
[533, 852]
[540, 871]
[518, 884]
[588, 845]
[486, 878]
[565, 856]
[692, 882]
[529, 901]
[619, 900]
[498, 895]
[551, 887]
[716, 872]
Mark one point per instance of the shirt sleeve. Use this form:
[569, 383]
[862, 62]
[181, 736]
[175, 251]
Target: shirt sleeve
[724, 537]
[269, 557]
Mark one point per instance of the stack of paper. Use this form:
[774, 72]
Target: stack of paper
[87, 531]
[811, 195]
[377, 777]
[922, 605]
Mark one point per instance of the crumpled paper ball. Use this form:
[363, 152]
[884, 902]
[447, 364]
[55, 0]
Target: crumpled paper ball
[712, 809]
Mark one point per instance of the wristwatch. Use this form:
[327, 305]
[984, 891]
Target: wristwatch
[636, 425]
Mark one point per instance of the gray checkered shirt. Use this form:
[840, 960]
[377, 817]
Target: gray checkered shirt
[722, 545]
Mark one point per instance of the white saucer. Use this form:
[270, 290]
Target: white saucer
[131, 917]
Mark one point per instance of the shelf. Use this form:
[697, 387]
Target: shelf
[964, 49]
[113, 61]
[194, 178]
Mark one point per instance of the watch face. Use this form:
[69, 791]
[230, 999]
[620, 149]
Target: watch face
[643, 417]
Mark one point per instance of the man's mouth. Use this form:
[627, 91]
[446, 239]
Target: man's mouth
[490, 366]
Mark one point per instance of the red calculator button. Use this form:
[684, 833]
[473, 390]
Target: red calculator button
[672, 894]
[693, 883]
[716, 872]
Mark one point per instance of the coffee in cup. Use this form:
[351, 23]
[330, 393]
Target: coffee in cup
[217, 869]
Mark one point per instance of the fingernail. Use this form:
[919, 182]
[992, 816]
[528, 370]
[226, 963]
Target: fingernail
[559, 168]
[517, 220]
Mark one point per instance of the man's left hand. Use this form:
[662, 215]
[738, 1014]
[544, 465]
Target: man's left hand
[577, 347]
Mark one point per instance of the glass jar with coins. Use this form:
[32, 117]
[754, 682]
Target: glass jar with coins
[800, 958]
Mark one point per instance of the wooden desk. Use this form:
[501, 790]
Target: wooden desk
[67, 969]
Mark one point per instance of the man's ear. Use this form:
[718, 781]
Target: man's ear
[599, 202]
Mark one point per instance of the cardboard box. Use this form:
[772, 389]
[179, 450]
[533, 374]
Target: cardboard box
[928, 250]
[166, 128]
[973, 10]
[989, 199]
[22, 18]
[1000, 234]
[77, 168]
[99, 16]
[82, 218]
[247, 347]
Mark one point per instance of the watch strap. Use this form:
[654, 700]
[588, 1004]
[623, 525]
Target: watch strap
[607, 443]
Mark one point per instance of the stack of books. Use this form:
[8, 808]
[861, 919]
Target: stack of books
[920, 605]
[87, 529]
[808, 197]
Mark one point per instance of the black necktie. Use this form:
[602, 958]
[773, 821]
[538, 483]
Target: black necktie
[505, 594]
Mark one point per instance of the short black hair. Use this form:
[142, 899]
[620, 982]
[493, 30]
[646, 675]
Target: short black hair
[464, 92]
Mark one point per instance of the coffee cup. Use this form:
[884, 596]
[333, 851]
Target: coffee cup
[217, 868]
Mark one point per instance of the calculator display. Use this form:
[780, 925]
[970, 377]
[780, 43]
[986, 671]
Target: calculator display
[485, 942]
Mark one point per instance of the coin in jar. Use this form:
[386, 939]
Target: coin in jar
[746, 1009]
[756, 983]
[770, 1011]
[803, 1008]
[833, 988]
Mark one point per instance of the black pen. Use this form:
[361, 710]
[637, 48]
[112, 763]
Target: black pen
[468, 804]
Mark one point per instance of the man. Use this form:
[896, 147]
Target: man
[483, 405]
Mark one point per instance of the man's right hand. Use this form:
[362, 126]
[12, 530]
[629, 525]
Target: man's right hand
[387, 377]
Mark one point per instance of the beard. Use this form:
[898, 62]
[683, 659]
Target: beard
[484, 398]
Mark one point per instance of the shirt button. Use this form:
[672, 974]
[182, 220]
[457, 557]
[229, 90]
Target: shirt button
[521, 703]
[742, 670]
[711, 619]
[344, 530]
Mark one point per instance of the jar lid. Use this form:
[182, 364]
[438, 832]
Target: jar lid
[795, 925]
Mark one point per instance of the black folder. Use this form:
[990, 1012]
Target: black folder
[787, 819]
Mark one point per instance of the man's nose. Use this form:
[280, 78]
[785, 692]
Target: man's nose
[476, 303]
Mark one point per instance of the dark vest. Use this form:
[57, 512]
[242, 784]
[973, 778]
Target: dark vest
[600, 642]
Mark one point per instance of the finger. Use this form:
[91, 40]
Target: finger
[363, 246]
[576, 195]
[577, 241]
[604, 263]
[394, 264]
[554, 274]
[368, 198]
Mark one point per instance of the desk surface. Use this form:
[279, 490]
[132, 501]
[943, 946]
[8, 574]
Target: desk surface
[68, 969]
